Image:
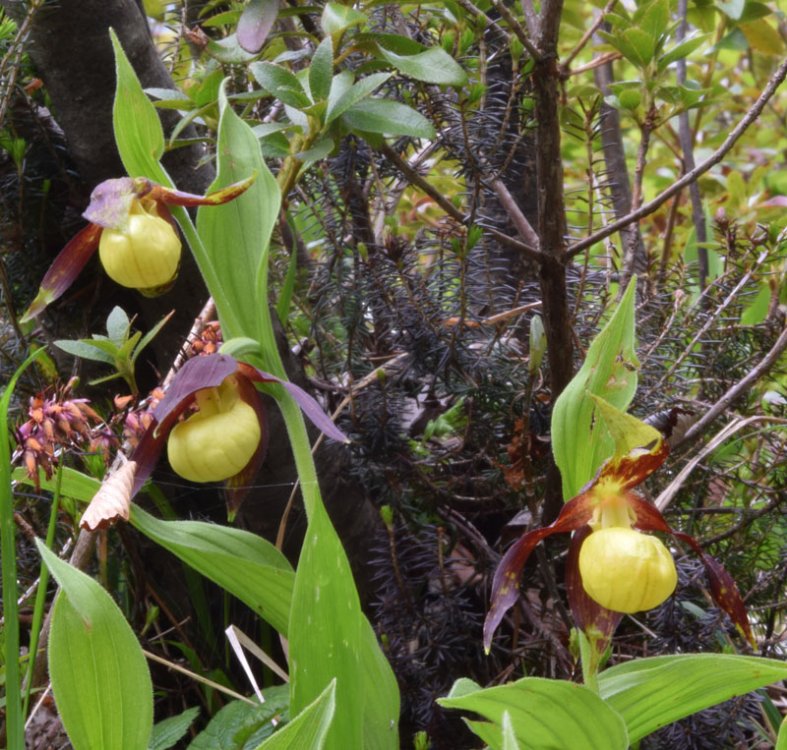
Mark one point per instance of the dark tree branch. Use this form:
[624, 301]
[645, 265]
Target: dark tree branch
[617, 171]
[552, 229]
[687, 145]
[648, 208]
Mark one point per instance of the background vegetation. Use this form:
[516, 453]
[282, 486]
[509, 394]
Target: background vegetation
[448, 246]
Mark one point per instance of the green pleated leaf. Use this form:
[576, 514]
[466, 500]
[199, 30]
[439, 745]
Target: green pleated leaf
[244, 726]
[100, 679]
[651, 693]
[246, 565]
[545, 714]
[138, 132]
[387, 117]
[168, 732]
[325, 632]
[434, 65]
[236, 235]
[309, 728]
[580, 443]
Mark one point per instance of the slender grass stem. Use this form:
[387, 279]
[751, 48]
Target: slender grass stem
[14, 717]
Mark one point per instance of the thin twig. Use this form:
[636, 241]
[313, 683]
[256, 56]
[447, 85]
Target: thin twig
[739, 388]
[566, 64]
[523, 226]
[733, 295]
[520, 32]
[668, 494]
[442, 201]
[648, 208]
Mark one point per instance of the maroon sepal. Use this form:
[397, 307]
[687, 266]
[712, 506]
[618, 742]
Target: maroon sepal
[64, 269]
[309, 406]
[723, 588]
[172, 197]
[597, 622]
[237, 487]
[505, 584]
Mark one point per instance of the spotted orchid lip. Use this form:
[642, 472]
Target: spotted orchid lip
[110, 203]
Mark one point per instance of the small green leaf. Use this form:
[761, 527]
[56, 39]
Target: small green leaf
[150, 335]
[434, 65]
[733, 9]
[653, 692]
[654, 18]
[321, 70]
[118, 326]
[73, 483]
[545, 714]
[243, 726]
[643, 45]
[336, 18]
[168, 732]
[138, 132]
[344, 94]
[100, 678]
[682, 50]
[309, 728]
[387, 117]
[86, 349]
[255, 23]
[280, 83]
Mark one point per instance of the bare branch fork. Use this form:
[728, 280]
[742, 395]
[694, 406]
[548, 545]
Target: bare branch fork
[648, 208]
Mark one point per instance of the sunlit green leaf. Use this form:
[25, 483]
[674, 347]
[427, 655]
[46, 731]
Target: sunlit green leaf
[321, 70]
[138, 132]
[545, 714]
[244, 564]
[309, 728]
[100, 678]
[280, 83]
[609, 371]
[650, 693]
[387, 117]
[434, 65]
[244, 225]
[344, 94]
[168, 732]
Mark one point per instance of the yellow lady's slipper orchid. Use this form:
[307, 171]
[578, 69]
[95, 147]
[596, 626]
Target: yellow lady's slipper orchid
[144, 253]
[219, 440]
[625, 570]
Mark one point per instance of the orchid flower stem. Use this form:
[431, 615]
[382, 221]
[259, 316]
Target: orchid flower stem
[15, 737]
[590, 661]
